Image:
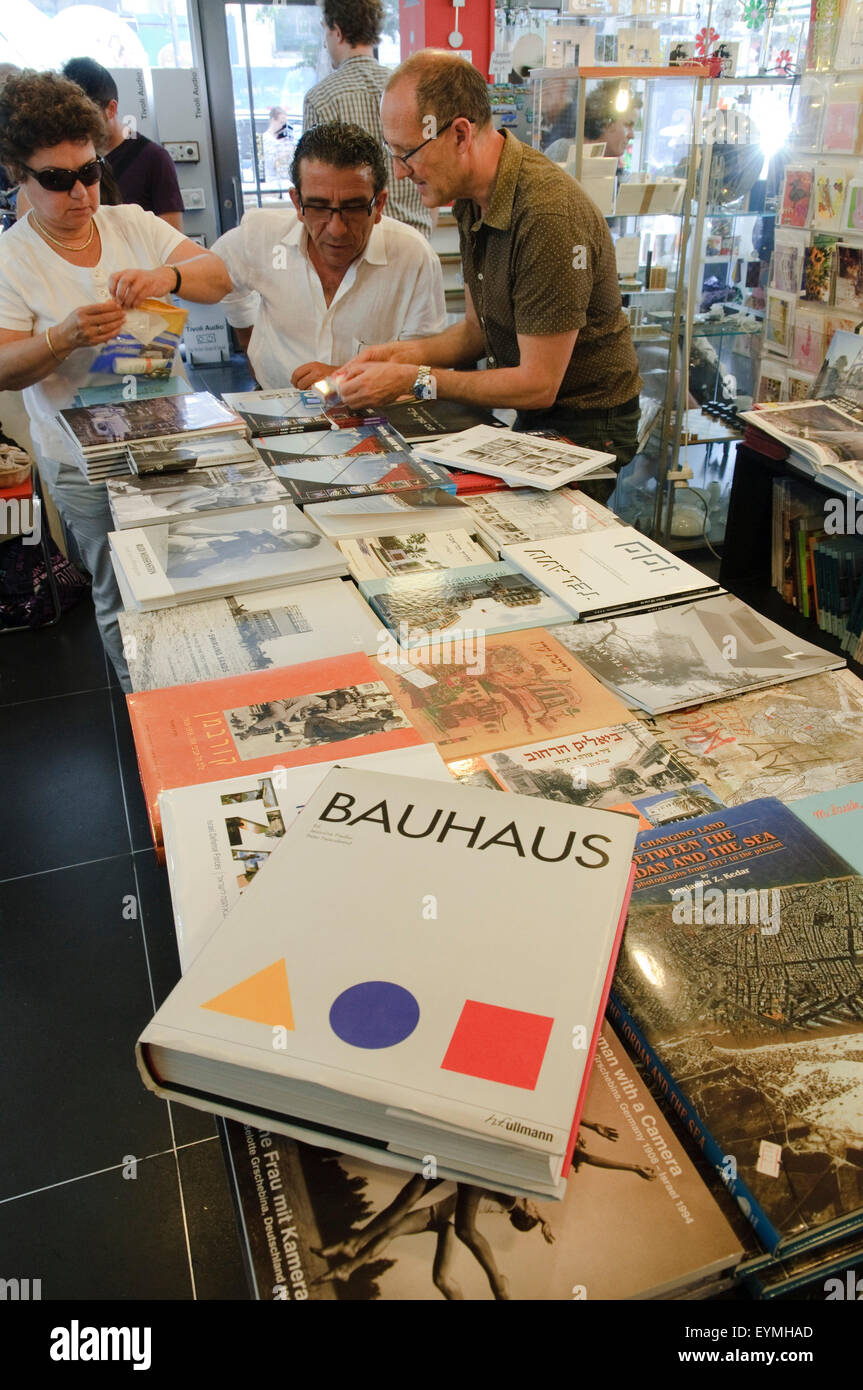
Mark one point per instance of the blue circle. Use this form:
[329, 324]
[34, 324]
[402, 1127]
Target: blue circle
[374, 1014]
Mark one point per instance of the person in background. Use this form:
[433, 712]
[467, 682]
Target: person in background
[352, 29]
[144, 171]
[277, 147]
[313, 282]
[69, 272]
[541, 288]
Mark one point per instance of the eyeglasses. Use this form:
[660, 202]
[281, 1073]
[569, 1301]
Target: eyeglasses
[348, 212]
[403, 158]
[64, 180]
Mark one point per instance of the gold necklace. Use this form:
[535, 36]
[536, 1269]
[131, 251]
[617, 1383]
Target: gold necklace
[67, 246]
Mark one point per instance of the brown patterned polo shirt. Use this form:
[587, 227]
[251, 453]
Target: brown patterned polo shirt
[541, 261]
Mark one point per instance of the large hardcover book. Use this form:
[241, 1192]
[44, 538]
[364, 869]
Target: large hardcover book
[693, 653]
[247, 632]
[211, 556]
[485, 598]
[468, 1050]
[284, 717]
[348, 463]
[361, 1231]
[599, 767]
[145, 500]
[417, 552]
[740, 981]
[788, 741]
[603, 573]
[385, 513]
[837, 818]
[522, 460]
[819, 433]
[220, 835]
[475, 695]
[526, 514]
[104, 428]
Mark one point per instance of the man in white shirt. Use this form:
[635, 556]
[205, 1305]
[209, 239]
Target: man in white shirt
[314, 285]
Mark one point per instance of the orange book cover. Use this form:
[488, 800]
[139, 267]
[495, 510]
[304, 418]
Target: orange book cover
[310, 713]
[476, 697]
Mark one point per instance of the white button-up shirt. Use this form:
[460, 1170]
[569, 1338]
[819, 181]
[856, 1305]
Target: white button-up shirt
[393, 290]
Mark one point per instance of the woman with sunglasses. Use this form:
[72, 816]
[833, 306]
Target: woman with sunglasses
[69, 272]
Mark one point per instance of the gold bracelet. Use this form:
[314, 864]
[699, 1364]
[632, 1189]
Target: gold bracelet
[51, 347]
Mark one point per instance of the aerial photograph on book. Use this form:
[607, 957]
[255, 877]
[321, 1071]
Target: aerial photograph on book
[329, 716]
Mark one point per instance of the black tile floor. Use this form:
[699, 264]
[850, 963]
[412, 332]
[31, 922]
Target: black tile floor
[106, 1191]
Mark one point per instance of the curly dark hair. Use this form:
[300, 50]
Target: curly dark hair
[361, 21]
[39, 110]
[344, 147]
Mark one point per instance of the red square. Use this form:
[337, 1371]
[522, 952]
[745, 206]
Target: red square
[498, 1044]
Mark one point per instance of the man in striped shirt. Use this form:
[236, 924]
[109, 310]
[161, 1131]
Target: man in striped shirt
[352, 93]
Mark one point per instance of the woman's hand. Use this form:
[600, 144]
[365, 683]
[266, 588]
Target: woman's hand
[89, 325]
[129, 287]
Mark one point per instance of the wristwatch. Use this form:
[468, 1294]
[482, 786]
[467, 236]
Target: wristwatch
[425, 386]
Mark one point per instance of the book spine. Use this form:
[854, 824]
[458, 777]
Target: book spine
[632, 1034]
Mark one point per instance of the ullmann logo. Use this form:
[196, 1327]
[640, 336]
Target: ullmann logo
[77, 1343]
[20, 1290]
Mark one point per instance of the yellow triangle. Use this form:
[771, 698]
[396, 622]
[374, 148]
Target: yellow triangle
[263, 998]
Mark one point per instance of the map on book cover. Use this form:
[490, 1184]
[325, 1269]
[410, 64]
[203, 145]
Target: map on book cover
[788, 741]
[742, 972]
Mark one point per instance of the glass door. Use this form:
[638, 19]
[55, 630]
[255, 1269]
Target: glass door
[259, 61]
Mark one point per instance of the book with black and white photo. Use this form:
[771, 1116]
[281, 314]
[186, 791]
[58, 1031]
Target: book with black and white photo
[491, 597]
[360, 1231]
[143, 501]
[416, 421]
[417, 552]
[415, 509]
[527, 514]
[348, 463]
[601, 574]
[522, 460]
[396, 1045]
[213, 556]
[697, 652]
[840, 376]
[599, 767]
[247, 632]
[219, 835]
[202, 451]
[818, 434]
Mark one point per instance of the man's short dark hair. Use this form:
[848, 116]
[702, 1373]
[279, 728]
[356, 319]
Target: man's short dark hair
[361, 21]
[344, 147]
[93, 79]
[446, 86]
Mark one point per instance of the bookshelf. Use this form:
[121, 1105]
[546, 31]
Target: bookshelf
[745, 568]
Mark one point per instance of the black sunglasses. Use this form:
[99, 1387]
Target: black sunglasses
[64, 180]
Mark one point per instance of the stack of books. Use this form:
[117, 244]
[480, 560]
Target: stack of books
[389, 1047]
[103, 433]
[356, 462]
[390, 513]
[161, 497]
